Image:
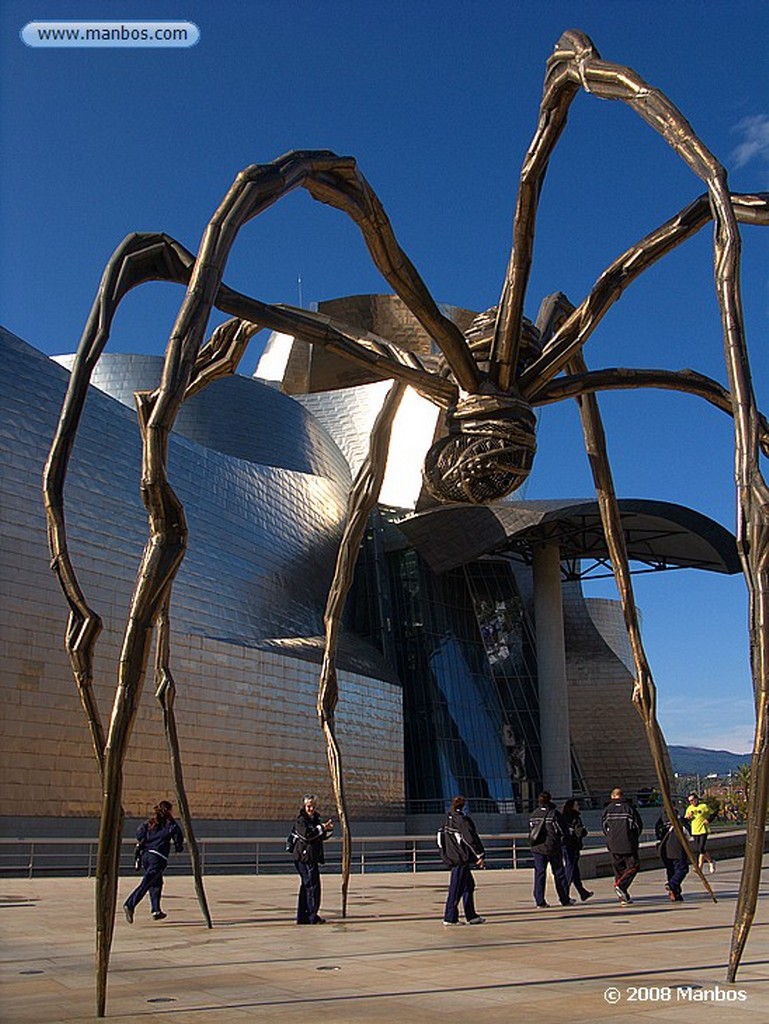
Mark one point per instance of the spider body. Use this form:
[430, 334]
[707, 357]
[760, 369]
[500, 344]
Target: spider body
[489, 450]
[491, 441]
[489, 384]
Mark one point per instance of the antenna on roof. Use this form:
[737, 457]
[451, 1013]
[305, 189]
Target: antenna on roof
[299, 290]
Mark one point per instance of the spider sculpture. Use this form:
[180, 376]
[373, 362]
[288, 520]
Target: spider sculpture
[488, 391]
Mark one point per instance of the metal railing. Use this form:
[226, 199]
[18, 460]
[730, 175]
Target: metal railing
[264, 854]
[252, 855]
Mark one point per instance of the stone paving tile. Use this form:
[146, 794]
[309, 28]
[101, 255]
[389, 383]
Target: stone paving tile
[390, 960]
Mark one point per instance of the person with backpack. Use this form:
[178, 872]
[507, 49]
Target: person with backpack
[698, 815]
[573, 839]
[622, 826]
[673, 856]
[462, 850]
[153, 840]
[311, 833]
[546, 833]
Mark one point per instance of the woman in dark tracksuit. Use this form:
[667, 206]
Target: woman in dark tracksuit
[673, 856]
[463, 850]
[546, 825]
[311, 833]
[575, 831]
[155, 837]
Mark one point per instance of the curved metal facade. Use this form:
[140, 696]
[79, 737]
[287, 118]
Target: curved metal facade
[238, 416]
[264, 479]
[264, 519]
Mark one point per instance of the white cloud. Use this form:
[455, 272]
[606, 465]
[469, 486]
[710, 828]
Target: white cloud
[754, 132]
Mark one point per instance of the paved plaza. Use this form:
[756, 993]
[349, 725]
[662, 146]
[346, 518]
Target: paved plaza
[390, 960]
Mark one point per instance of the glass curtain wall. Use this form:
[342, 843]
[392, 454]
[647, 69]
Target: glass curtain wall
[464, 648]
[465, 653]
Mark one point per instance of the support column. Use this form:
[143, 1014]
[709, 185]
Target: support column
[551, 672]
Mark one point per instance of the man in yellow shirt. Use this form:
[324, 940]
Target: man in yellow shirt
[698, 814]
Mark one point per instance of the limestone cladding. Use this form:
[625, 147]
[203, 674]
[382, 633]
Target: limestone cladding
[607, 734]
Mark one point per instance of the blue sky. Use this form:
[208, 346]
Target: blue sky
[437, 101]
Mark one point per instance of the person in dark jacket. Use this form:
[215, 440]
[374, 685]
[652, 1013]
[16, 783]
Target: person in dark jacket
[622, 826]
[673, 856]
[311, 834]
[546, 832]
[574, 834]
[463, 850]
[154, 837]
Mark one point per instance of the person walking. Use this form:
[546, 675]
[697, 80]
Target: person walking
[154, 837]
[574, 834]
[462, 851]
[673, 856]
[698, 816]
[311, 834]
[546, 832]
[622, 826]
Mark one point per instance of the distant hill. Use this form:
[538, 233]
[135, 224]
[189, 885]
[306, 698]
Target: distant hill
[700, 761]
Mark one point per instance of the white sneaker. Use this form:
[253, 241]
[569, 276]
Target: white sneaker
[711, 867]
[476, 920]
[452, 924]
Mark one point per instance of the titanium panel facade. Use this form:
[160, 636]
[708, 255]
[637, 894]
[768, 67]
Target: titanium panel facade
[250, 592]
[445, 658]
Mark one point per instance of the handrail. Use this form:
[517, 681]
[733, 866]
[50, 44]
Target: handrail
[248, 854]
[267, 855]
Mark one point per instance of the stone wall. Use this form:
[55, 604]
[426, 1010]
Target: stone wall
[607, 734]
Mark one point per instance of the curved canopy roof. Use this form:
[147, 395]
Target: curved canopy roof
[658, 534]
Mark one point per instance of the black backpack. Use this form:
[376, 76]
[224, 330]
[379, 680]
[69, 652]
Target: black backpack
[577, 829]
[538, 830]
[449, 842]
[538, 827]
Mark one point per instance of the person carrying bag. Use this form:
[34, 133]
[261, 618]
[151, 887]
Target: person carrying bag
[461, 851]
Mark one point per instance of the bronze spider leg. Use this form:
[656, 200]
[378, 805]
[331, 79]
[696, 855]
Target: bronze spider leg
[564, 349]
[219, 357]
[575, 64]
[149, 258]
[160, 562]
[165, 691]
[337, 182]
[362, 499]
[624, 379]
[556, 309]
[574, 329]
[326, 178]
[644, 689]
[380, 357]
[145, 258]
[568, 340]
[582, 386]
[141, 258]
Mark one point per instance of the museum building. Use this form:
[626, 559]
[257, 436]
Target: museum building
[470, 660]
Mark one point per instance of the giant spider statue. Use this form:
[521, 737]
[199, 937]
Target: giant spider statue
[488, 392]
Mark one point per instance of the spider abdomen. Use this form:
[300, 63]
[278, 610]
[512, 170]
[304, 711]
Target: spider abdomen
[488, 452]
